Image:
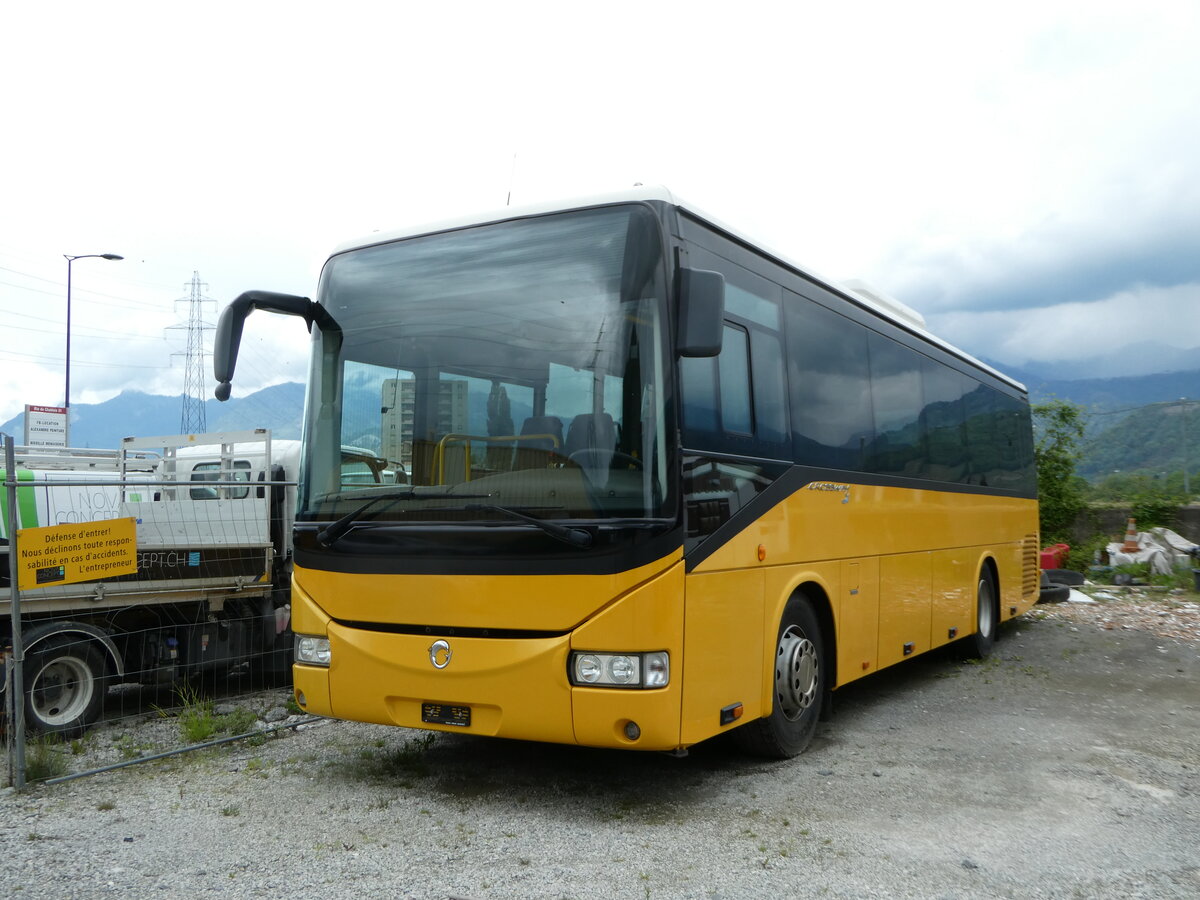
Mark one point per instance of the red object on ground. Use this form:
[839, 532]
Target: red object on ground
[1054, 557]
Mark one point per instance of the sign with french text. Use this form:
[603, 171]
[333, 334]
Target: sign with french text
[66, 554]
[45, 426]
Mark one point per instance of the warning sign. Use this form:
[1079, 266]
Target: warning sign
[66, 554]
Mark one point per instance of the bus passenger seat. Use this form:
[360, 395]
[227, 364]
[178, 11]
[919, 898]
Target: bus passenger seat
[534, 452]
[593, 431]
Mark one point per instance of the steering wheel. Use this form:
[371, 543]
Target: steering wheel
[617, 455]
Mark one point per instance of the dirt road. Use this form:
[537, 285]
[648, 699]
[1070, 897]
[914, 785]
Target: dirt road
[1067, 765]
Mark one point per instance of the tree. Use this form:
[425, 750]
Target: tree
[1059, 427]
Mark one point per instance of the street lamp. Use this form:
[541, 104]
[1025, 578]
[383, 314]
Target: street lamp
[67, 389]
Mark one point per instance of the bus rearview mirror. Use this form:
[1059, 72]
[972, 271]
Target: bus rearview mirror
[701, 312]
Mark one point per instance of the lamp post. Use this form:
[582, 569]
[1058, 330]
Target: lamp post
[67, 388]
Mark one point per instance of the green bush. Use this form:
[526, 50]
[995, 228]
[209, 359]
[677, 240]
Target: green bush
[1156, 508]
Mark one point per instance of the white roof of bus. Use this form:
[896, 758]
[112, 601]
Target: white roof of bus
[861, 293]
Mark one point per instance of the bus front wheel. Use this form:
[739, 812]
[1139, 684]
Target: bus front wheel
[798, 681]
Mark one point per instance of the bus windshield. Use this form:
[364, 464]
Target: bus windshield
[515, 366]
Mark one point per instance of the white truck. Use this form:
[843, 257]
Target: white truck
[212, 586]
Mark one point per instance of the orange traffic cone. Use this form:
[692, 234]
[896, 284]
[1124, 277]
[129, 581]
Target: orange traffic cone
[1131, 541]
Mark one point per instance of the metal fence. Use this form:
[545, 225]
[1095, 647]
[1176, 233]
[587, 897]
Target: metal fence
[114, 654]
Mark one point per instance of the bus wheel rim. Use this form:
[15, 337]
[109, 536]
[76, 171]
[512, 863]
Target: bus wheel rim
[61, 691]
[795, 673]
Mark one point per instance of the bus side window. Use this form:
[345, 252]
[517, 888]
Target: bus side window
[897, 400]
[734, 374]
[830, 379]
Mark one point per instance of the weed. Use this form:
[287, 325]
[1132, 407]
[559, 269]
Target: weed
[231, 811]
[240, 721]
[197, 720]
[44, 759]
[129, 748]
[105, 805]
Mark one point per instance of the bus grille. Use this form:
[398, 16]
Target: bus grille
[1030, 576]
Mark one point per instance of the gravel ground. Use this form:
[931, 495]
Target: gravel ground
[1066, 765]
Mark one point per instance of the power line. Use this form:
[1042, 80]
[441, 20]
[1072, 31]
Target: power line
[13, 355]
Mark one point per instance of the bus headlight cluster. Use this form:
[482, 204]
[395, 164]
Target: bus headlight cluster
[312, 650]
[623, 670]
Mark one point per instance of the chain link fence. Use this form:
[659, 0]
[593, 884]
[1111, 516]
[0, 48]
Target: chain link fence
[141, 593]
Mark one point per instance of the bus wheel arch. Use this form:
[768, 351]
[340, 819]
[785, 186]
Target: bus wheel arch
[800, 678]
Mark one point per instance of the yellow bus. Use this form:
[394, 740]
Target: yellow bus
[649, 482]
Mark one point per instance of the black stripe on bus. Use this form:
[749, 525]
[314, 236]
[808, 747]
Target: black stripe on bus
[797, 478]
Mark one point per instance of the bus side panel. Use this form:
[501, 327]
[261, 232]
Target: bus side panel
[724, 647]
[904, 606]
[954, 574]
[857, 616]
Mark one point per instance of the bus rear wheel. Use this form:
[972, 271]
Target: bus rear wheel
[987, 620]
[798, 679]
[64, 686]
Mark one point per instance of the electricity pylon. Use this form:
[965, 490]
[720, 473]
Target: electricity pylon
[193, 420]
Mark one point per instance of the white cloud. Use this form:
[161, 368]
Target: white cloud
[1138, 319]
[961, 157]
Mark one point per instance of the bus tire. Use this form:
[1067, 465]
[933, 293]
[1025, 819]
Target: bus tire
[798, 678]
[987, 620]
[64, 686]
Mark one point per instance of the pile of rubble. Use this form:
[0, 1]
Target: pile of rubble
[1168, 613]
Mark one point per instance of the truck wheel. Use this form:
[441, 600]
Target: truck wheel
[799, 687]
[64, 686]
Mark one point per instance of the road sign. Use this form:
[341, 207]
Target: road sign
[45, 426]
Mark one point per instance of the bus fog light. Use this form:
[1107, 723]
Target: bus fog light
[657, 671]
[312, 650]
[632, 731]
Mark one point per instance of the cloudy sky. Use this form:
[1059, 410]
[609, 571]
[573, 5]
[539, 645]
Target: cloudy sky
[1026, 175]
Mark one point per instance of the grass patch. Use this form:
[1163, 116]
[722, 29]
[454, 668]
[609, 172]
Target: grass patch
[199, 721]
[44, 758]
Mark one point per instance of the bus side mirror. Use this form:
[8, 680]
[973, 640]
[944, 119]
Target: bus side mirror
[233, 317]
[701, 312]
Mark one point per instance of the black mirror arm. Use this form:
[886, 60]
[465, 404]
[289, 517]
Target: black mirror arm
[233, 318]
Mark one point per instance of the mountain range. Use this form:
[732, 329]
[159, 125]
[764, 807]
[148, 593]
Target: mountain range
[135, 414]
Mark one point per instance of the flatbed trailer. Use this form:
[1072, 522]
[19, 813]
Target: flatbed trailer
[211, 589]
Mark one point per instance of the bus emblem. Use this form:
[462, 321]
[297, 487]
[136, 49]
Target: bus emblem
[439, 654]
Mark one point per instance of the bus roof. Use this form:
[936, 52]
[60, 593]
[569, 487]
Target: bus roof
[855, 291]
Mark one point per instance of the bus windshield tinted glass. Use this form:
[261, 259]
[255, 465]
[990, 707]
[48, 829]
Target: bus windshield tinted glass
[518, 364]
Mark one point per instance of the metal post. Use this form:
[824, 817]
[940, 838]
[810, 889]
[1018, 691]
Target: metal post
[16, 687]
[1187, 489]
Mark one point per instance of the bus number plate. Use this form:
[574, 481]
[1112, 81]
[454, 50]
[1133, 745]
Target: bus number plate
[445, 714]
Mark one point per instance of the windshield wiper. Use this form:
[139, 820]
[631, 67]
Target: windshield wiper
[329, 535]
[576, 537]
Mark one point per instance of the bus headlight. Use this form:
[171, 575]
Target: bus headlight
[312, 650]
[621, 670]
